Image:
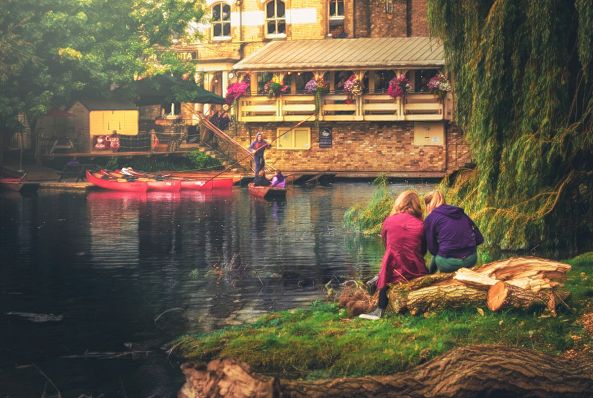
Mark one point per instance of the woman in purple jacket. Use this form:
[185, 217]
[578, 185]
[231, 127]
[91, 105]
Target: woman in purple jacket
[451, 236]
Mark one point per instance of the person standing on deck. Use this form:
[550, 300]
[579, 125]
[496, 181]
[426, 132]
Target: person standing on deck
[258, 147]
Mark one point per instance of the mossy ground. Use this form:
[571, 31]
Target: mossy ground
[321, 341]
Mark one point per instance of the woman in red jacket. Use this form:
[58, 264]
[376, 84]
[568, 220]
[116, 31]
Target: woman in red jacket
[403, 235]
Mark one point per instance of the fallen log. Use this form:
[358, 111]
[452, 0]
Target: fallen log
[503, 295]
[437, 297]
[534, 281]
[482, 370]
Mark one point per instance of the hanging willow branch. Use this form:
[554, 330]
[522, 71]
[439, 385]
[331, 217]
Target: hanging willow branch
[524, 96]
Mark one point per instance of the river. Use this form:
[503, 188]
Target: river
[92, 285]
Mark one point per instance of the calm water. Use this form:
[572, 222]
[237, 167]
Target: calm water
[85, 278]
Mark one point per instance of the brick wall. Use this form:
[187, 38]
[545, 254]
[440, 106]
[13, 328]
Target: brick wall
[357, 147]
[390, 18]
[419, 21]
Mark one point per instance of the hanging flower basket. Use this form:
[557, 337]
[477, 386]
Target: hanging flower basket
[439, 85]
[316, 87]
[235, 91]
[275, 89]
[353, 88]
[398, 86]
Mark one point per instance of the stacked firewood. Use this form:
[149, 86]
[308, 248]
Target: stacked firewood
[518, 282]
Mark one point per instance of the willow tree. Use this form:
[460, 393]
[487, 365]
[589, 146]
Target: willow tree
[523, 73]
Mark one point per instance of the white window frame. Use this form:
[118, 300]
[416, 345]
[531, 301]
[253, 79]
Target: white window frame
[336, 17]
[274, 19]
[221, 22]
[282, 130]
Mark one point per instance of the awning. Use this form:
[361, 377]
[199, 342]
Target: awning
[340, 54]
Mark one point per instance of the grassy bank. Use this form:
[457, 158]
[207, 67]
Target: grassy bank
[321, 341]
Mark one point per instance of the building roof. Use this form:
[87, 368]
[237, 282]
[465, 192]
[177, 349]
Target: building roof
[338, 54]
[107, 105]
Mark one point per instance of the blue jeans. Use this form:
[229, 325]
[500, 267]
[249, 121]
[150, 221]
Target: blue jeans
[260, 163]
[452, 264]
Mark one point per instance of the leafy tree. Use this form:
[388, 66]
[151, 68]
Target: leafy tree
[53, 51]
[523, 74]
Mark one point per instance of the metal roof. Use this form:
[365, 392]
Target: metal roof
[334, 54]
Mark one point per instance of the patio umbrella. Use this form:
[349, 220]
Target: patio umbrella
[165, 89]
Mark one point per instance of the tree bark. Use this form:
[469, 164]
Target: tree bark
[503, 296]
[474, 371]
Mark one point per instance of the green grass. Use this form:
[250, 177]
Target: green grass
[321, 341]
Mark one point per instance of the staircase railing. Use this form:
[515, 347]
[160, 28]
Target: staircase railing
[219, 141]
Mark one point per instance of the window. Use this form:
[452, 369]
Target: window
[221, 20]
[422, 78]
[275, 18]
[299, 138]
[428, 133]
[336, 19]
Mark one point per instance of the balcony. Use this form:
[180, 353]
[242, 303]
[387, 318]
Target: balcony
[338, 107]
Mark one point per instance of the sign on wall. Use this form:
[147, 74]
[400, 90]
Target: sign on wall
[325, 137]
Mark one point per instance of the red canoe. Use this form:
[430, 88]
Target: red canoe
[267, 192]
[164, 185]
[114, 185]
[221, 183]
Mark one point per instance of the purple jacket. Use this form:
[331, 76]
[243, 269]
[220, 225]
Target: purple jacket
[449, 232]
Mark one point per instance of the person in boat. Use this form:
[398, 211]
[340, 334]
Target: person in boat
[128, 171]
[403, 236]
[279, 180]
[451, 236]
[261, 180]
[258, 147]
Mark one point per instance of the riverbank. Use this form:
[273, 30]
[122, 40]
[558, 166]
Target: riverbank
[322, 342]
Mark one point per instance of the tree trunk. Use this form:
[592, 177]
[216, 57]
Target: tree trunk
[440, 297]
[473, 371]
[502, 296]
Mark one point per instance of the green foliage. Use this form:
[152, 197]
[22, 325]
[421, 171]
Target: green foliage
[524, 90]
[54, 51]
[321, 342]
[367, 219]
[201, 161]
[194, 160]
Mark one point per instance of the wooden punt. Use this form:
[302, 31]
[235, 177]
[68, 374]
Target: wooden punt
[18, 185]
[267, 192]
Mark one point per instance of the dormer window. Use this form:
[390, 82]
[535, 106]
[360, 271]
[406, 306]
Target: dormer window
[336, 19]
[275, 19]
[221, 21]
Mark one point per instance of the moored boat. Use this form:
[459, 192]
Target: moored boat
[267, 192]
[18, 185]
[164, 185]
[217, 183]
[116, 185]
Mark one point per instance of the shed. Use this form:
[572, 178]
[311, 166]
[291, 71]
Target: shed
[96, 119]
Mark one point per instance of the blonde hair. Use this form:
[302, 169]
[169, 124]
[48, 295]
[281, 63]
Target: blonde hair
[432, 200]
[407, 202]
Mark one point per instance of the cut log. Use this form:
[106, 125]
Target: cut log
[465, 372]
[537, 276]
[440, 297]
[503, 295]
[474, 279]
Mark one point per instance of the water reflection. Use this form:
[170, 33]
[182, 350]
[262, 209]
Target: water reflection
[110, 263]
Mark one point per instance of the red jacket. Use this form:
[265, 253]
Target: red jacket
[404, 249]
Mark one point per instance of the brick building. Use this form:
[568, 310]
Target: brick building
[291, 42]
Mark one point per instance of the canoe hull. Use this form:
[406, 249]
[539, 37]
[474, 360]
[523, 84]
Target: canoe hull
[222, 183]
[112, 185]
[267, 192]
[18, 185]
[164, 186]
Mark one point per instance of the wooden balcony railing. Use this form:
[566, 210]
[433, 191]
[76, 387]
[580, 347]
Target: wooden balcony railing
[338, 107]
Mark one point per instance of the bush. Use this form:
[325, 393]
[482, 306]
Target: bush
[202, 161]
[367, 219]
